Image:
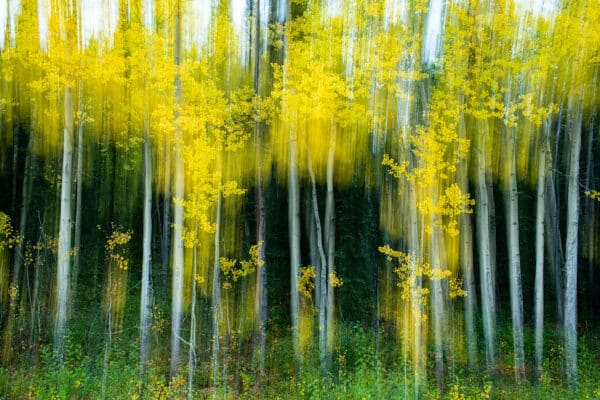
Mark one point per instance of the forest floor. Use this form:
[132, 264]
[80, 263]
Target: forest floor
[364, 366]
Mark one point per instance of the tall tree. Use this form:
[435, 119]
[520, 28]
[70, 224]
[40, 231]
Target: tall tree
[177, 259]
[571, 248]
[261, 275]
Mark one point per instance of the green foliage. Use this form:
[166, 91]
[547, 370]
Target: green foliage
[367, 365]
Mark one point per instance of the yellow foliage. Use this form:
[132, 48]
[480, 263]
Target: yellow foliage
[334, 280]
[593, 194]
[306, 283]
[114, 246]
[233, 271]
[9, 238]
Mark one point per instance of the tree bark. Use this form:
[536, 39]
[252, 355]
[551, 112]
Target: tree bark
[64, 234]
[261, 273]
[590, 213]
[322, 287]
[294, 232]
[437, 306]
[18, 256]
[146, 295]
[79, 192]
[466, 260]
[330, 244]
[177, 282]
[488, 297]
[554, 242]
[216, 297]
[192, 344]
[514, 258]
[538, 299]
[570, 311]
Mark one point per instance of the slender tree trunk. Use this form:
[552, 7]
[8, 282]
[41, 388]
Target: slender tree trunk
[466, 260]
[261, 273]
[35, 297]
[107, 334]
[322, 270]
[294, 228]
[146, 294]
[538, 299]
[570, 312]
[488, 300]
[216, 297]
[177, 282]
[330, 244]
[165, 244]
[192, 344]
[416, 301]
[493, 236]
[514, 258]
[15, 160]
[19, 257]
[64, 234]
[79, 193]
[437, 306]
[589, 212]
[556, 246]
[554, 243]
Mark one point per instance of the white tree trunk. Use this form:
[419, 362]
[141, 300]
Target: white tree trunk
[146, 295]
[416, 301]
[322, 270]
[79, 192]
[488, 298]
[466, 260]
[261, 273]
[177, 282]
[216, 298]
[330, 243]
[64, 232]
[554, 242]
[192, 343]
[437, 306]
[538, 302]
[514, 258]
[294, 231]
[570, 313]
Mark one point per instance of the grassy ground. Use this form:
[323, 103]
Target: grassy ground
[364, 367]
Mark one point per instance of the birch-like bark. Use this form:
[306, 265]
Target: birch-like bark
[570, 311]
[216, 296]
[322, 270]
[330, 244]
[437, 306]
[146, 295]
[538, 298]
[192, 344]
[466, 260]
[294, 232]
[261, 274]
[554, 242]
[416, 301]
[79, 192]
[64, 232]
[488, 296]
[177, 282]
[514, 258]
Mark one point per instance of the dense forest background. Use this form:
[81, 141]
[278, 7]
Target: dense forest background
[299, 199]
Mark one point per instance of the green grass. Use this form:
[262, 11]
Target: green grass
[363, 367]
